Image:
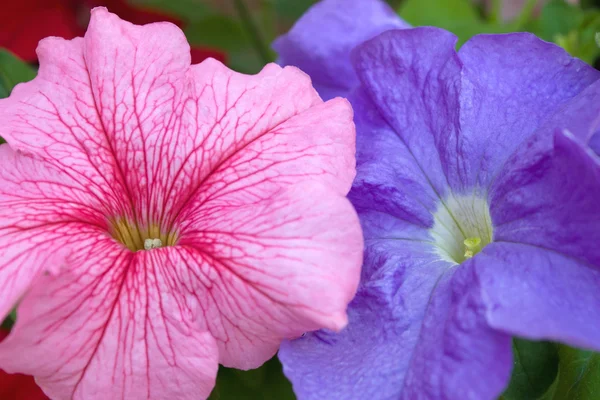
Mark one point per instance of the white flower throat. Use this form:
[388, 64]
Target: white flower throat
[462, 227]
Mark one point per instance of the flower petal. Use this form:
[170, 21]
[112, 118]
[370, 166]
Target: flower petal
[540, 294]
[42, 214]
[369, 358]
[511, 85]
[197, 129]
[580, 115]
[595, 143]
[54, 118]
[113, 326]
[260, 134]
[123, 110]
[458, 355]
[548, 197]
[413, 78]
[18, 386]
[321, 40]
[275, 268]
[386, 172]
[138, 78]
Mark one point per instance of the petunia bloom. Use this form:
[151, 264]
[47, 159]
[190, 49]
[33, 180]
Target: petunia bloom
[18, 386]
[26, 22]
[158, 218]
[479, 204]
[341, 25]
[595, 142]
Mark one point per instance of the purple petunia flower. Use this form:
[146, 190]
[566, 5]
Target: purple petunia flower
[479, 205]
[595, 142]
[341, 25]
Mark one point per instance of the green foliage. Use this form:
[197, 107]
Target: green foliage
[534, 371]
[571, 27]
[441, 13]
[579, 376]
[12, 72]
[291, 9]
[264, 383]
[10, 320]
[218, 31]
[460, 17]
[185, 10]
[558, 18]
[567, 25]
[228, 35]
[547, 371]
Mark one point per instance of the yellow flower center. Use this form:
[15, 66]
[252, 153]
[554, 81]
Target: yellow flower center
[136, 237]
[462, 227]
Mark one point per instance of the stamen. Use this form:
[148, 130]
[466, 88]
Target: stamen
[138, 237]
[152, 244]
[462, 227]
[472, 246]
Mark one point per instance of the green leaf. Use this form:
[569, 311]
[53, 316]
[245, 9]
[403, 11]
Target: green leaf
[266, 382]
[185, 10]
[10, 320]
[571, 28]
[458, 16]
[226, 34]
[441, 13]
[218, 31]
[534, 371]
[12, 72]
[291, 9]
[559, 18]
[579, 377]
[256, 34]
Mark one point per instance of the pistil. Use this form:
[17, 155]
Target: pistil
[462, 227]
[472, 246]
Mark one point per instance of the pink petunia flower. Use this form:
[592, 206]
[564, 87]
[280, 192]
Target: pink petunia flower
[158, 218]
[25, 22]
[18, 386]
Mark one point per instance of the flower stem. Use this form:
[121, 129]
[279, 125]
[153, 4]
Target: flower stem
[496, 12]
[257, 39]
[526, 13]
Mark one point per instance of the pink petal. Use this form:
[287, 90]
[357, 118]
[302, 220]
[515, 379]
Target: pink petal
[54, 118]
[42, 216]
[185, 129]
[250, 171]
[124, 109]
[273, 269]
[112, 328]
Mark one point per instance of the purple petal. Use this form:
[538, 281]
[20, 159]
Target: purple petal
[511, 85]
[369, 358]
[580, 115]
[458, 355]
[321, 41]
[388, 185]
[594, 143]
[540, 294]
[547, 196]
[413, 78]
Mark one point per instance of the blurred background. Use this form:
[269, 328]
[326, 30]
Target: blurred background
[239, 33]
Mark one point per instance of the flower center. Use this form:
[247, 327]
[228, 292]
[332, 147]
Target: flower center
[136, 237]
[462, 227]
